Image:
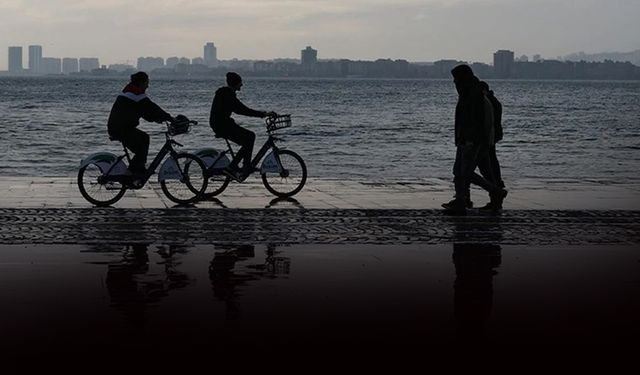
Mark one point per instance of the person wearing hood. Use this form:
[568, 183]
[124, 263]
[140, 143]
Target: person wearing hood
[131, 105]
[474, 134]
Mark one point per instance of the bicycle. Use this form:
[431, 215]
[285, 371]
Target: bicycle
[283, 172]
[103, 177]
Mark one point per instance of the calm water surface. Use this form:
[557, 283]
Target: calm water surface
[342, 128]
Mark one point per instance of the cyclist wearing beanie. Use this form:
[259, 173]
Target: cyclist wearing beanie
[131, 105]
[224, 104]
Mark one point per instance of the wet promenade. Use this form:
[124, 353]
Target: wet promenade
[354, 266]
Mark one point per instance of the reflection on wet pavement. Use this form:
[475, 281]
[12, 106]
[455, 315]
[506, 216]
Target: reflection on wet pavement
[148, 296]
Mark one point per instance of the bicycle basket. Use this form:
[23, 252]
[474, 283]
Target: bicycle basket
[278, 122]
[179, 127]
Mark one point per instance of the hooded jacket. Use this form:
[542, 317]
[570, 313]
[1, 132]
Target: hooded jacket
[131, 105]
[473, 116]
[497, 116]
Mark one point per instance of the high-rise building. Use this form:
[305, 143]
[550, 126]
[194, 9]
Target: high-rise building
[308, 56]
[503, 63]
[148, 64]
[122, 68]
[87, 64]
[15, 59]
[210, 54]
[69, 65]
[35, 58]
[50, 65]
[197, 61]
[172, 62]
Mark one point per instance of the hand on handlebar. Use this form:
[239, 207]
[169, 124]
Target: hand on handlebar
[270, 114]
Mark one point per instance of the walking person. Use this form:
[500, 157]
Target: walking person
[473, 137]
[498, 134]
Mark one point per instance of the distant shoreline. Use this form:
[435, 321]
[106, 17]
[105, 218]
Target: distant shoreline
[300, 78]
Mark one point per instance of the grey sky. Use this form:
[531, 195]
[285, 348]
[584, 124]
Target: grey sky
[119, 31]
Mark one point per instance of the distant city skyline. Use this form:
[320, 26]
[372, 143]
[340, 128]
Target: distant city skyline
[35, 61]
[505, 66]
[119, 31]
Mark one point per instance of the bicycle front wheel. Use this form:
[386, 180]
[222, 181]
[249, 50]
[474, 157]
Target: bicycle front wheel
[291, 179]
[191, 183]
[95, 192]
[216, 185]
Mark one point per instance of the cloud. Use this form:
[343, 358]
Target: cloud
[118, 30]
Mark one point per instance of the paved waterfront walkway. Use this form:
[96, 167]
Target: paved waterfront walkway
[51, 210]
[524, 194]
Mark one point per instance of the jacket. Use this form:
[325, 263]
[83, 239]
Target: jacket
[497, 116]
[225, 102]
[471, 116]
[129, 107]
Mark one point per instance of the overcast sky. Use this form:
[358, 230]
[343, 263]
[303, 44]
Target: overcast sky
[118, 31]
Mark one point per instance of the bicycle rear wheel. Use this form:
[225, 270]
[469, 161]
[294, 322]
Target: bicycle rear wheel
[97, 193]
[191, 184]
[291, 179]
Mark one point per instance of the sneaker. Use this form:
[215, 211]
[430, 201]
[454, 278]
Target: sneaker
[245, 171]
[232, 172]
[455, 206]
[491, 206]
[450, 204]
[498, 198]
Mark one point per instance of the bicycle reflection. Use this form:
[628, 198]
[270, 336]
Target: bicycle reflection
[227, 276]
[134, 287]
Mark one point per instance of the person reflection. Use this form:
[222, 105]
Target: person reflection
[475, 265]
[227, 278]
[476, 259]
[133, 289]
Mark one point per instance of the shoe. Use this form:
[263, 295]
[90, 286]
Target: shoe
[498, 198]
[233, 173]
[449, 204]
[245, 171]
[455, 206]
[491, 206]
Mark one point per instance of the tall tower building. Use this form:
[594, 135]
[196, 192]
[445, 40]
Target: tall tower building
[15, 59]
[308, 56]
[210, 54]
[35, 58]
[503, 63]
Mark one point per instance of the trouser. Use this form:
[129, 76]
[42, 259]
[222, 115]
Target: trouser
[137, 142]
[468, 158]
[241, 136]
[495, 167]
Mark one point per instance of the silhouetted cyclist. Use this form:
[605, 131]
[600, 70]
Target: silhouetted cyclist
[224, 104]
[131, 105]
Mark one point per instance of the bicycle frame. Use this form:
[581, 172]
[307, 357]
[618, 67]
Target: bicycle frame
[269, 144]
[167, 148]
